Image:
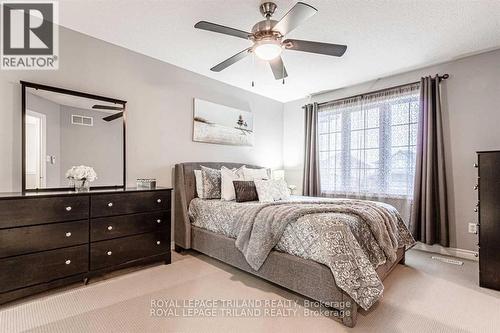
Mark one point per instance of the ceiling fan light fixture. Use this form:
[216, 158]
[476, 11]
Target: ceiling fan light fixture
[268, 50]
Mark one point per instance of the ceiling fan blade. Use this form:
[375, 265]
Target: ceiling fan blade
[295, 17]
[278, 68]
[315, 47]
[228, 62]
[106, 107]
[113, 116]
[204, 25]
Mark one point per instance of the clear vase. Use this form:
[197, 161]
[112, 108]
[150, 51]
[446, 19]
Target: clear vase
[82, 185]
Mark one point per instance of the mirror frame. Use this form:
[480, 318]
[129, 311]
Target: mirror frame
[24, 85]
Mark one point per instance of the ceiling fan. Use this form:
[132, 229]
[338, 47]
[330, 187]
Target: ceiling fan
[107, 107]
[267, 37]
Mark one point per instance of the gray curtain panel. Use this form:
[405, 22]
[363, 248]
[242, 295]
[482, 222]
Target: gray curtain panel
[429, 220]
[311, 183]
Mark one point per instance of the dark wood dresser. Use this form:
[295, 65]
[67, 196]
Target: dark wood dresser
[488, 207]
[50, 239]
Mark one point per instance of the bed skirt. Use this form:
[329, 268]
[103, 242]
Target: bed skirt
[305, 277]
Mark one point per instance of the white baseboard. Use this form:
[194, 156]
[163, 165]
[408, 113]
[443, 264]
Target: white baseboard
[172, 245]
[448, 251]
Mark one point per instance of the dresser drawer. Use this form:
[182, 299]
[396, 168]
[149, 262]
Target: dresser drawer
[126, 225]
[24, 240]
[32, 211]
[118, 251]
[118, 204]
[32, 269]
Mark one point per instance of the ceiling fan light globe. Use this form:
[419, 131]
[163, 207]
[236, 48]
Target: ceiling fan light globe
[268, 51]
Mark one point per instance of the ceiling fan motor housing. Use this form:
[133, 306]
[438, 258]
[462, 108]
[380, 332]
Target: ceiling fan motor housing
[263, 30]
[267, 9]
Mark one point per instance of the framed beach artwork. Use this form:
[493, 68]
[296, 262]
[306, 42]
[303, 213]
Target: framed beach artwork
[215, 123]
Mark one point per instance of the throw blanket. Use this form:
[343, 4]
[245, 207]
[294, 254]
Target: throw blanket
[260, 228]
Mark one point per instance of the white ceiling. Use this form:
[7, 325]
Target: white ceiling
[72, 101]
[384, 37]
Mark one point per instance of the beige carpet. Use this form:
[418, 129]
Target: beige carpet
[423, 296]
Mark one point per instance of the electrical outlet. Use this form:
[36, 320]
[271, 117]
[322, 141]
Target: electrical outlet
[472, 228]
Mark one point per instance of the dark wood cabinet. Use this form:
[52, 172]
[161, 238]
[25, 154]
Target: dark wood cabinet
[25, 271]
[40, 210]
[24, 240]
[52, 239]
[125, 225]
[119, 204]
[118, 251]
[489, 219]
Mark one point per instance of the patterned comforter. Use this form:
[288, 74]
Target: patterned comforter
[342, 241]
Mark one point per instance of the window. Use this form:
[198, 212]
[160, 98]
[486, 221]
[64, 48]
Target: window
[367, 144]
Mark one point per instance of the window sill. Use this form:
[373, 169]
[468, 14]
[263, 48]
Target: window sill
[365, 195]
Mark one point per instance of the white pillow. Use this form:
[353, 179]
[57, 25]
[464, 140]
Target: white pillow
[199, 183]
[253, 174]
[227, 178]
[271, 190]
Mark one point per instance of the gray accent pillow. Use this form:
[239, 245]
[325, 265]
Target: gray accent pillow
[211, 180]
[245, 191]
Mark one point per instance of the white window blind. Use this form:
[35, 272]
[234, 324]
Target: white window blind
[367, 144]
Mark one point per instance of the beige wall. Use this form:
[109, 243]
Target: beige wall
[159, 109]
[471, 100]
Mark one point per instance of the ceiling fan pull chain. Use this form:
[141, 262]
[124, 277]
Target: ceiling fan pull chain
[283, 72]
[253, 72]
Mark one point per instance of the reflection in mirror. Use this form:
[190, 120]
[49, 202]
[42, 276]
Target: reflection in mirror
[62, 131]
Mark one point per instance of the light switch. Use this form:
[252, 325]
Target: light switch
[472, 228]
[50, 159]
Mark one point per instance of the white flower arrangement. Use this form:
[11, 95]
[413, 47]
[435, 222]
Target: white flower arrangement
[81, 173]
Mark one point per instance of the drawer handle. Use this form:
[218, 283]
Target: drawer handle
[475, 210]
[68, 262]
[158, 221]
[68, 234]
[110, 204]
[109, 253]
[158, 243]
[68, 208]
[158, 201]
[476, 165]
[110, 227]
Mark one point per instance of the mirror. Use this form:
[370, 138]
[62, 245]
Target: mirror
[63, 129]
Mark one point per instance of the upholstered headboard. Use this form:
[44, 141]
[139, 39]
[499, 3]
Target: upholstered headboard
[185, 191]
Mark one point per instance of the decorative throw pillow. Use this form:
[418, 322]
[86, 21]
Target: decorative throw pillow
[199, 184]
[271, 190]
[252, 174]
[227, 178]
[211, 181]
[245, 191]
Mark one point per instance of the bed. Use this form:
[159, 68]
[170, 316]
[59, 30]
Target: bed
[295, 272]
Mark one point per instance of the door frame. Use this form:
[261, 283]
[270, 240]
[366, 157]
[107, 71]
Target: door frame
[42, 180]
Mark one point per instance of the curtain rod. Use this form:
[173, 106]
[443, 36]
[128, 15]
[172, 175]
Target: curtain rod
[441, 78]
